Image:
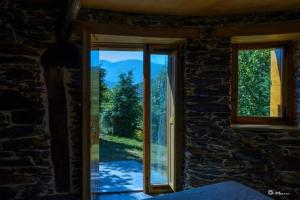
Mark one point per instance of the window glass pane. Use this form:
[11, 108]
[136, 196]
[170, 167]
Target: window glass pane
[159, 152]
[259, 82]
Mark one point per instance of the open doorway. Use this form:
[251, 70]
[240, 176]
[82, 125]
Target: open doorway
[132, 91]
[119, 78]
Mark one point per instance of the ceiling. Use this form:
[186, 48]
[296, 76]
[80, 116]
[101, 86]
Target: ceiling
[192, 7]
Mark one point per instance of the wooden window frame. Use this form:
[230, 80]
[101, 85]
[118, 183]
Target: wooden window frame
[287, 86]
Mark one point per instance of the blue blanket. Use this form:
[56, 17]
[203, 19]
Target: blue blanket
[229, 190]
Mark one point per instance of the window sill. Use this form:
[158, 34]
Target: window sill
[263, 127]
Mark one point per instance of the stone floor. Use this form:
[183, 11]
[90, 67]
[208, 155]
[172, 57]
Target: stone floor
[121, 176]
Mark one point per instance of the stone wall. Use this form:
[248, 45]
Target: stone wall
[26, 167]
[297, 78]
[206, 108]
[213, 151]
[267, 159]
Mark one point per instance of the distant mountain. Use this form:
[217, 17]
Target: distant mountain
[114, 69]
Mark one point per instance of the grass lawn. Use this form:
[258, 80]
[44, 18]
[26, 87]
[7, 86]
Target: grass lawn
[113, 148]
[116, 148]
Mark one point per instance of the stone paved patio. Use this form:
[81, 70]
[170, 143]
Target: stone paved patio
[120, 176]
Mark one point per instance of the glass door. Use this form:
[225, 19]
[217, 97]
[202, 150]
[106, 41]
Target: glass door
[159, 134]
[126, 162]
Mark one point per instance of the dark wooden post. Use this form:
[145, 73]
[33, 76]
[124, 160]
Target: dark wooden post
[55, 60]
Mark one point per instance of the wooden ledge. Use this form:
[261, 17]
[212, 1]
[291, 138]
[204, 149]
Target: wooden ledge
[259, 29]
[264, 127]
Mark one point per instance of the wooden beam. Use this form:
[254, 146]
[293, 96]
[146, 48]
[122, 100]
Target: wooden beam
[259, 29]
[86, 129]
[125, 30]
[146, 119]
[265, 38]
[138, 40]
[69, 13]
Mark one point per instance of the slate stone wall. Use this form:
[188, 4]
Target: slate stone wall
[73, 87]
[179, 21]
[25, 164]
[26, 168]
[267, 159]
[297, 78]
[213, 151]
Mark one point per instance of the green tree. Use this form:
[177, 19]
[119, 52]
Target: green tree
[125, 106]
[158, 106]
[106, 120]
[254, 82]
[102, 88]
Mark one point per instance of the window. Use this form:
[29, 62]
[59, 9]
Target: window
[261, 84]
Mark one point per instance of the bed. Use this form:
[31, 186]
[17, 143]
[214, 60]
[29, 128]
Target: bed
[229, 190]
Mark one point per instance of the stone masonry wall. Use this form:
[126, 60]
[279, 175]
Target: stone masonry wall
[213, 151]
[26, 169]
[297, 77]
[266, 159]
[25, 165]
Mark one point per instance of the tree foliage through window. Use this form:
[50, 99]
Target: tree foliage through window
[254, 82]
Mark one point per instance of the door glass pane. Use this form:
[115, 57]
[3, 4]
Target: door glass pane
[158, 126]
[94, 123]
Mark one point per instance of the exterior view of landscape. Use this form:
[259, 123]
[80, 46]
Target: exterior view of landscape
[259, 82]
[119, 75]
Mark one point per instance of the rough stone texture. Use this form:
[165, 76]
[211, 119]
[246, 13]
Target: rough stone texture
[179, 21]
[26, 169]
[297, 78]
[207, 109]
[212, 150]
[73, 88]
[270, 159]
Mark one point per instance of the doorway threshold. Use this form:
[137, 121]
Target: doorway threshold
[121, 196]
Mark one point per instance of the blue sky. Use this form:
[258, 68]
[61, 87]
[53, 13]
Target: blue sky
[112, 71]
[115, 56]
